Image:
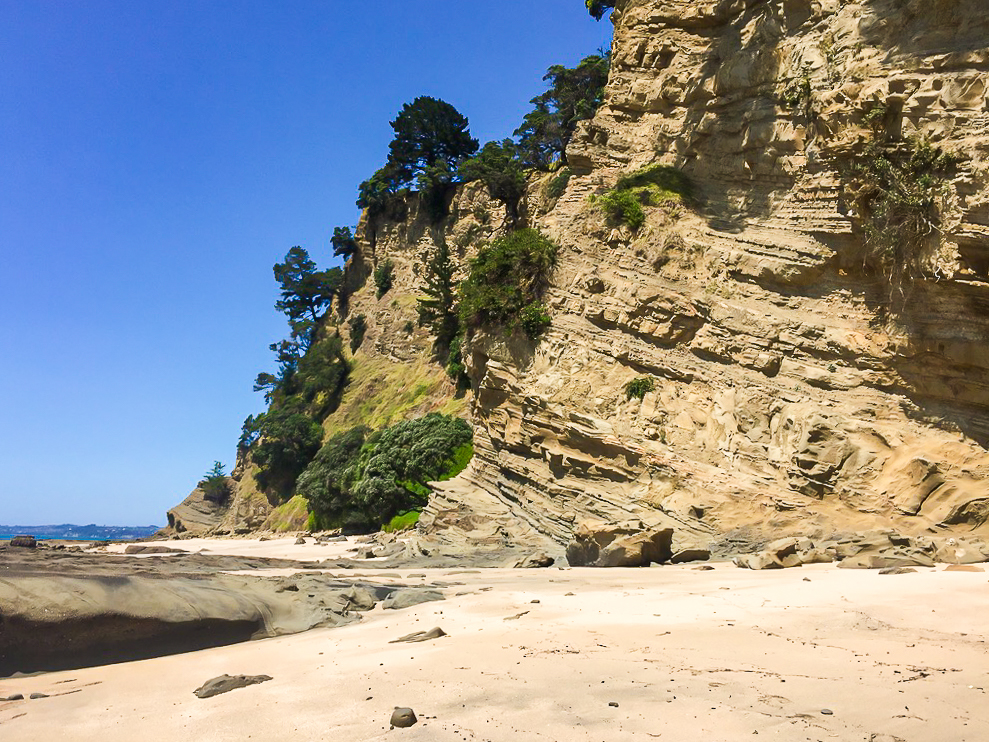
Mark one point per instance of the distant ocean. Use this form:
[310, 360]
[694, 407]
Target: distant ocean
[71, 532]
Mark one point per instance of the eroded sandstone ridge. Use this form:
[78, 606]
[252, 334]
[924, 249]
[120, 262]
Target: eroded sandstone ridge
[794, 389]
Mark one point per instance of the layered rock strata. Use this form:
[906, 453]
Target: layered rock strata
[794, 390]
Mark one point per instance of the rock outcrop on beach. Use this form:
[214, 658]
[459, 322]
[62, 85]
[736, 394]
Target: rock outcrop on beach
[800, 386]
[65, 610]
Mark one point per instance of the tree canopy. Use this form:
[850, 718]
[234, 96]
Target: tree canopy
[305, 291]
[597, 8]
[428, 131]
[431, 139]
[343, 242]
[497, 165]
[214, 484]
[574, 94]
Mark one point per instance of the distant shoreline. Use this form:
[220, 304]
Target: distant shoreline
[73, 532]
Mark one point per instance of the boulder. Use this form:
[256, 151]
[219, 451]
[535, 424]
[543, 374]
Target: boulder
[631, 544]
[146, 549]
[958, 551]
[888, 558]
[690, 555]
[403, 717]
[761, 560]
[24, 542]
[535, 560]
[408, 597]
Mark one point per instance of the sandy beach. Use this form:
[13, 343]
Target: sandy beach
[668, 652]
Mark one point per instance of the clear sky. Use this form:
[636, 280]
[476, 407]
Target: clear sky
[156, 159]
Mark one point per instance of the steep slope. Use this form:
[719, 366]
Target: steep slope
[800, 384]
[794, 389]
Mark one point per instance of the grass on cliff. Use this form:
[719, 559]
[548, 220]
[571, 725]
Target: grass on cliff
[402, 522]
[382, 392]
[653, 185]
[902, 193]
[291, 515]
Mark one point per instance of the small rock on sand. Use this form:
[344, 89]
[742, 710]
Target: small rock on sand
[38, 695]
[15, 697]
[145, 549]
[403, 717]
[226, 683]
[420, 636]
[896, 571]
[408, 598]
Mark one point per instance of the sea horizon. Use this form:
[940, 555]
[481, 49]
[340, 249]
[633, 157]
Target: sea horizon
[75, 532]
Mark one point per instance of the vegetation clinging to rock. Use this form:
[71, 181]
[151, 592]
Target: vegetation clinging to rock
[361, 480]
[215, 486]
[498, 167]
[902, 192]
[383, 277]
[653, 185]
[597, 8]
[639, 387]
[358, 327]
[506, 281]
[574, 95]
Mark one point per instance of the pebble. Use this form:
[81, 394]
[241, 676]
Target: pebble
[827, 712]
[613, 703]
[403, 717]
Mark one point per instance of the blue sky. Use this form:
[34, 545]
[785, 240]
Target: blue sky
[156, 159]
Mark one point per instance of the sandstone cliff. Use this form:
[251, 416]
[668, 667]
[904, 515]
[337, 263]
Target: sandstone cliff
[796, 390]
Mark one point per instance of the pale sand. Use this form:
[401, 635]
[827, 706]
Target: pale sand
[275, 548]
[685, 658]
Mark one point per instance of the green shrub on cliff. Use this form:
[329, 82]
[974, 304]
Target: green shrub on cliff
[358, 328]
[383, 277]
[622, 206]
[215, 485]
[639, 387]
[506, 278]
[363, 480]
[901, 191]
[653, 185]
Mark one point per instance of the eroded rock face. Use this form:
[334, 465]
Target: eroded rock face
[597, 544]
[794, 389]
